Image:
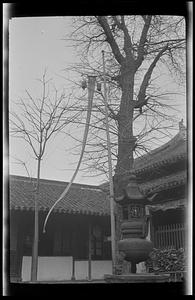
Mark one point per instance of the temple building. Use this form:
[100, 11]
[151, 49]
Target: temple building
[77, 242]
[64, 248]
[162, 176]
[162, 173]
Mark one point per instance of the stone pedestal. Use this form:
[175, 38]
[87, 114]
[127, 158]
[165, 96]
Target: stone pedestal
[137, 278]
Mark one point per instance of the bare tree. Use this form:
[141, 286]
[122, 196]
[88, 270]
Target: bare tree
[37, 121]
[139, 49]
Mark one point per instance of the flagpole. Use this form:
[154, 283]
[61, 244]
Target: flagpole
[111, 187]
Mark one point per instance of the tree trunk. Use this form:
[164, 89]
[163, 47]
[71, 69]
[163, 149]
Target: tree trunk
[126, 140]
[34, 265]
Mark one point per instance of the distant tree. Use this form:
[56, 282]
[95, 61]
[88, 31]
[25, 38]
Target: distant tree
[36, 120]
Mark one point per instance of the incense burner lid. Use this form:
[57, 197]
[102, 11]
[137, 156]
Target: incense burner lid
[130, 192]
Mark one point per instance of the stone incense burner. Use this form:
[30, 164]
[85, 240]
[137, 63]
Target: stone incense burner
[134, 227]
[133, 245]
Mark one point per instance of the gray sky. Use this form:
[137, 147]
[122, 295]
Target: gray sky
[36, 43]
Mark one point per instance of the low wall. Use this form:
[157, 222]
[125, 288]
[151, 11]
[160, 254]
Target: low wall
[57, 268]
[49, 268]
[98, 269]
[60, 268]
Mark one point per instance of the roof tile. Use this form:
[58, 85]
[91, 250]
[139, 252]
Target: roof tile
[172, 151]
[80, 198]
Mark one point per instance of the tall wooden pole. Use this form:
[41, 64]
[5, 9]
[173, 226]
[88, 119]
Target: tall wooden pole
[111, 187]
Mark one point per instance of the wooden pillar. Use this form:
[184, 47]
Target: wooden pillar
[14, 249]
[73, 244]
[152, 229]
[73, 254]
[89, 252]
[133, 267]
[147, 213]
[19, 251]
[73, 268]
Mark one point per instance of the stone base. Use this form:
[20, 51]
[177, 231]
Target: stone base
[136, 278]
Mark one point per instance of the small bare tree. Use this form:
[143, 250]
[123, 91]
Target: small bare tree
[37, 121]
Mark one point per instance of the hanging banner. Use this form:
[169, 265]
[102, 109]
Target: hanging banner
[91, 90]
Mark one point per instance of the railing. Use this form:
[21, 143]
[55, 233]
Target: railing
[170, 236]
[177, 276]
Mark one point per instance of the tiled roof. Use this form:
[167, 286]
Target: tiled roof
[82, 199]
[172, 151]
[159, 184]
[86, 199]
[164, 183]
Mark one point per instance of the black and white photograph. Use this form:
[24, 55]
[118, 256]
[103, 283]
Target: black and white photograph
[97, 150]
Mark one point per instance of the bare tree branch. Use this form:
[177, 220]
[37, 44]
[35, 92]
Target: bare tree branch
[142, 41]
[136, 48]
[103, 22]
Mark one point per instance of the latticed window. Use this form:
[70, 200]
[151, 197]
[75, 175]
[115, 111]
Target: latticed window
[62, 243]
[135, 211]
[132, 211]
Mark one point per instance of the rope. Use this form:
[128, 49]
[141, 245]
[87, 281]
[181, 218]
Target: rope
[91, 89]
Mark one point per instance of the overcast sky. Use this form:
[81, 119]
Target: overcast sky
[36, 43]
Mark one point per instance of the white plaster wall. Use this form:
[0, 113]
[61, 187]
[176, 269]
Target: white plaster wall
[26, 266]
[60, 268]
[81, 269]
[98, 269]
[49, 268]
[101, 267]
